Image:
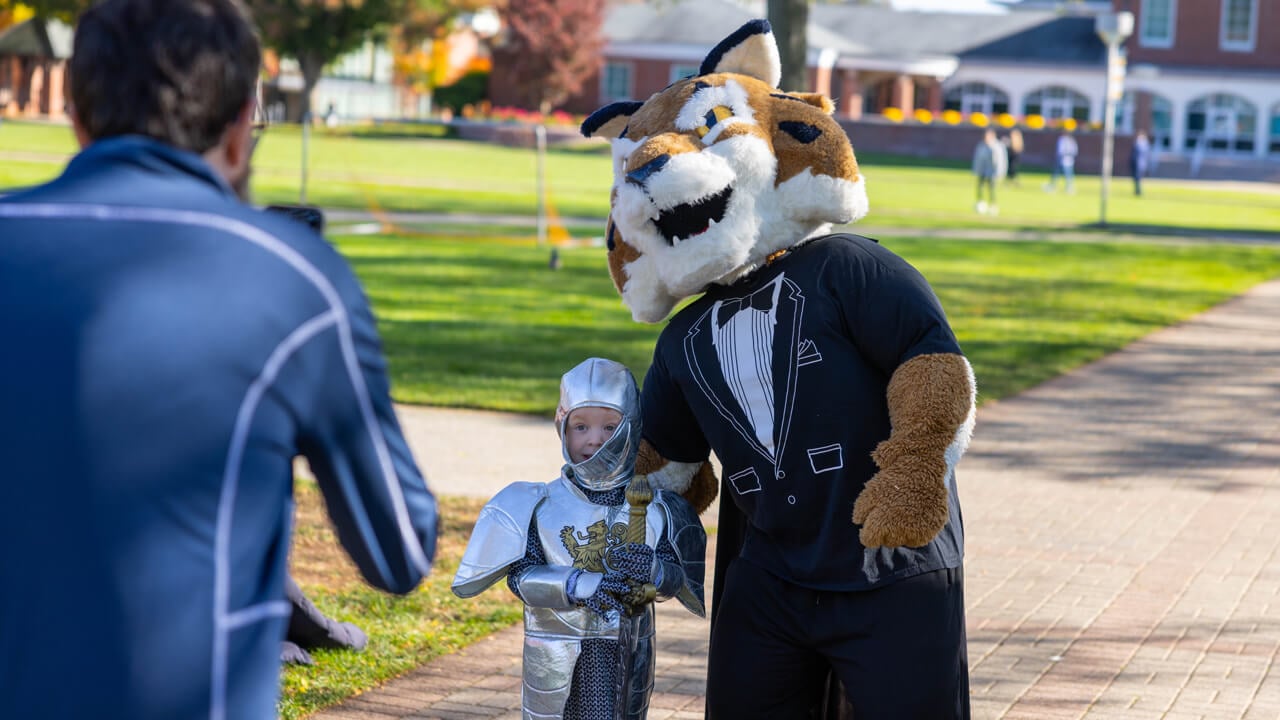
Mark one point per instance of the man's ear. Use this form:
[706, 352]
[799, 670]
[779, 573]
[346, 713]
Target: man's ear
[238, 140]
[82, 135]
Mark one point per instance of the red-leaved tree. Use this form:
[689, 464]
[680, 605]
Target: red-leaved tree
[551, 48]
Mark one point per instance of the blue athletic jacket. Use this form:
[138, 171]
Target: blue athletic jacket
[165, 352]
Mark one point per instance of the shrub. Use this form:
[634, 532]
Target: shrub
[468, 90]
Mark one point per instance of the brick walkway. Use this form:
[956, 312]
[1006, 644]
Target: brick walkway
[1122, 527]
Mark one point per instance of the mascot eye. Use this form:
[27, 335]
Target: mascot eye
[713, 116]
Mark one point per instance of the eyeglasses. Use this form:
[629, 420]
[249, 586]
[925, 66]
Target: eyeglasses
[258, 125]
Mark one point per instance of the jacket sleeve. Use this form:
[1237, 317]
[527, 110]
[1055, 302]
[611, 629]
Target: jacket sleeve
[384, 514]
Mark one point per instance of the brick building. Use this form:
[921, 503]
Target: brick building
[1204, 75]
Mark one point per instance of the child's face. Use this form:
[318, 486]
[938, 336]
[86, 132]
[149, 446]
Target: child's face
[587, 429]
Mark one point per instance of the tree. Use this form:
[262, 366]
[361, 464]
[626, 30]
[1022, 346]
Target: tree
[421, 43]
[552, 47]
[424, 20]
[316, 32]
[789, 19]
[65, 10]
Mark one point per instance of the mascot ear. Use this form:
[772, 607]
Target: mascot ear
[750, 50]
[818, 100]
[610, 120]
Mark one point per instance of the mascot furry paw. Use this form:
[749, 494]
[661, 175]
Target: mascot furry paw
[717, 176]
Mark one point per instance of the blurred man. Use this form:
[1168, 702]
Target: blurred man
[168, 350]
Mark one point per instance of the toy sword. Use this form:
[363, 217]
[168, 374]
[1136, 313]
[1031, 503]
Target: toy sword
[639, 495]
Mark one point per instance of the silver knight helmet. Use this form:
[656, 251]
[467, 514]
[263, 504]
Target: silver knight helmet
[597, 382]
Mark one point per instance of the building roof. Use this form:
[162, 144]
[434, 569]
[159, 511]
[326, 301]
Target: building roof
[870, 37]
[38, 38]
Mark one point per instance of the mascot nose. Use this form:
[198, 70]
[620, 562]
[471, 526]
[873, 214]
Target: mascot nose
[640, 175]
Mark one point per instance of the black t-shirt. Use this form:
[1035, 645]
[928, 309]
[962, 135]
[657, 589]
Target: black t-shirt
[783, 374]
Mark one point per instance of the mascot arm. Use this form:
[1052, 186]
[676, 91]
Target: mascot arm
[931, 410]
[696, 482]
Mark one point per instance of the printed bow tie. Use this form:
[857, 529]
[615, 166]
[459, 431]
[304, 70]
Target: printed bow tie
[761, 300]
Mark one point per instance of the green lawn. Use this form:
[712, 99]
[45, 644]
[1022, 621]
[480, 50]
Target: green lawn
[486, 324]
[404, 632]
[477, 319]
[452, 176]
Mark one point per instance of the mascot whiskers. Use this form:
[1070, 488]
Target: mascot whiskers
[821, 370]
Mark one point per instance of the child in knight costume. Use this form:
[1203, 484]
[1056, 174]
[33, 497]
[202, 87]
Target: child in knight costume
[588, 553]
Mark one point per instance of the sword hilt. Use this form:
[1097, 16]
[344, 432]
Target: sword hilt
[639, 495]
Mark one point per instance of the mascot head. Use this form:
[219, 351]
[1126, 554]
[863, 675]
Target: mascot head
[719, 171]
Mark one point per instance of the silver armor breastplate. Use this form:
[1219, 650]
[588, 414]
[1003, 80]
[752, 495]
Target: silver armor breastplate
[575, 532]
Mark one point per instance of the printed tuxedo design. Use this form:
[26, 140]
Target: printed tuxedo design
[755, 339]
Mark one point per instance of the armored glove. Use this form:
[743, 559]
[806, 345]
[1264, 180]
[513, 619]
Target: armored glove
[602, 593]
[634, 561]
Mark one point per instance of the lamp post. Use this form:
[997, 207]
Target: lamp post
[1113, 28]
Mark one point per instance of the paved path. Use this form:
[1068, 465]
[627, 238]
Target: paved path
[1123, 557]
[363, 221]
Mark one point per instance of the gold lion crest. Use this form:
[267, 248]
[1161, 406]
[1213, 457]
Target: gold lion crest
[588, 550]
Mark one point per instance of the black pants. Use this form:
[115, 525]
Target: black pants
[899, 650]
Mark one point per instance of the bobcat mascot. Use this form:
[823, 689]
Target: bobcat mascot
[821, 370]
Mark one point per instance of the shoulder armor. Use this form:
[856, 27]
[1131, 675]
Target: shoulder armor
[499, 538]
[689, 539]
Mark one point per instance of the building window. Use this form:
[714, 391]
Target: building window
[1161, 130]
[680, 72]
[972, 97]
[1274, 146]
[615, 82]
[1239, 22]
[877, 97]
[1157, 123]
[1056, 103]
[1221, 123]
[1158, 23]
[1125, 109]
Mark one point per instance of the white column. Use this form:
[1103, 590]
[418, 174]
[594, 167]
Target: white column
[1177, 133]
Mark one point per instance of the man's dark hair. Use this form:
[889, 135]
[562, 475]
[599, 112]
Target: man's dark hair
[179, 71]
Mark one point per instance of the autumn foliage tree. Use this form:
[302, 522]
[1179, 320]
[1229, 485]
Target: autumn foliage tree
[551, 48]
[65, 10]
[421, 42]
[317, 32]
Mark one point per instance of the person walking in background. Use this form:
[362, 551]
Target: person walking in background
[1064, 163]
[169, 350]
[1139, 160]
[989, 165]
[1013, 152]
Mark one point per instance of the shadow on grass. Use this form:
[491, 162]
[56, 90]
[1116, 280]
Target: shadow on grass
[1208, 233]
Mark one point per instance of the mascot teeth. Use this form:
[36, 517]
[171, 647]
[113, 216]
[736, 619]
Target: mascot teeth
[688, 220]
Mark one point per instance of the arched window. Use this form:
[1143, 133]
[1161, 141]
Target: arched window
[1221, 123]
[1161, 122]
[974, 97]
[1057, 102]
[1274, 146]
[1158, 123]
[1125, 110]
